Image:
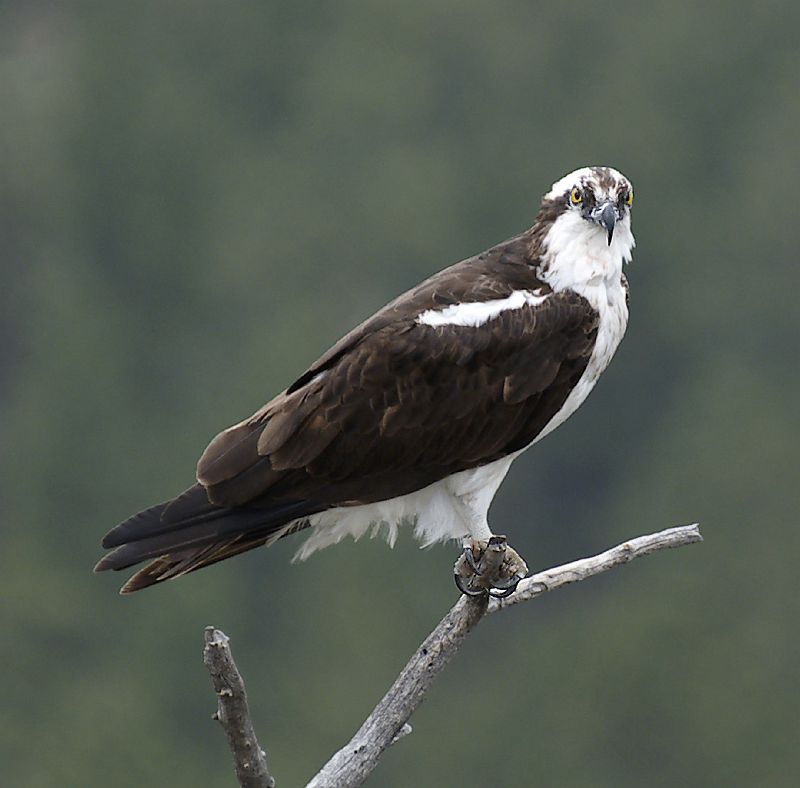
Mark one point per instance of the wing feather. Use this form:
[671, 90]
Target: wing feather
[414, 402]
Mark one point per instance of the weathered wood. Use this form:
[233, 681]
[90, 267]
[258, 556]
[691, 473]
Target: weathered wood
[249, 759]
[351, 765]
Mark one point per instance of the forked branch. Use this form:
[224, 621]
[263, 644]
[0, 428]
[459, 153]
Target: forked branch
[388, 722]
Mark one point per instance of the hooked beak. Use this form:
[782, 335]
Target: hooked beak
[606, 216]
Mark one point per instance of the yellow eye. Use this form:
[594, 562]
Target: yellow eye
[629, 198]
[576, 196]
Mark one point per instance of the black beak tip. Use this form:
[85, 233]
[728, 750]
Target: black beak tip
[608, 218]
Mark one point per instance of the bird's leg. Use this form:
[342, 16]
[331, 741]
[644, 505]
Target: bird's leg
[489, 566]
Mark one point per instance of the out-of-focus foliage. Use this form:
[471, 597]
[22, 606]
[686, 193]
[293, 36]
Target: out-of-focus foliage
[197, 198]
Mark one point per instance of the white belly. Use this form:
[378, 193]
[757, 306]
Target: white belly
[451, 508]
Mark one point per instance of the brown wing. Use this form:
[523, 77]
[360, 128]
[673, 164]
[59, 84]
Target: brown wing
[404, 404]
[392, 407]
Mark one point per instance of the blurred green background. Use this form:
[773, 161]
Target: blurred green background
[197, 198]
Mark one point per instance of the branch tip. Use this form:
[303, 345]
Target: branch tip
[233, 713]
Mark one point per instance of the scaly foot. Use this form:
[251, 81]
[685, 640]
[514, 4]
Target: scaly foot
[489, 567]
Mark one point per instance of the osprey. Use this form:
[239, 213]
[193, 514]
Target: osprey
[416, 415]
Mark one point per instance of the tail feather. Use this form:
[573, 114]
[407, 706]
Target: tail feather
[181, 563]
[189, 533]
[191, 506]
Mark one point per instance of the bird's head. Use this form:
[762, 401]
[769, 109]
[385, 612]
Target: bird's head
[601, 196]
[583, 231]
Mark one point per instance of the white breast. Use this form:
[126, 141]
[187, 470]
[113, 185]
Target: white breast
[579, 258]
[610, 303]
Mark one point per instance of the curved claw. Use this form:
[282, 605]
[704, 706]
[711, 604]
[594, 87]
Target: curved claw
[468, 591]
[469, 557]
[507, 590]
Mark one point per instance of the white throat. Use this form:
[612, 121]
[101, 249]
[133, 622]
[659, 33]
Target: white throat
[577, 257]
[577, 253]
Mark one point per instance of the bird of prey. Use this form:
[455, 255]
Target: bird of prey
[416, 415]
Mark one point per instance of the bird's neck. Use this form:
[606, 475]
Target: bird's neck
[575, 254]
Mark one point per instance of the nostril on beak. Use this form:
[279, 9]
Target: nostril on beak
[608, 219]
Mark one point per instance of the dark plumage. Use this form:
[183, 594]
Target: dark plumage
[394, 406]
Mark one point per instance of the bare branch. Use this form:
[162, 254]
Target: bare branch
[388, 722]
[551, 579]
[354, 762]
[232, 712]
[351, 765]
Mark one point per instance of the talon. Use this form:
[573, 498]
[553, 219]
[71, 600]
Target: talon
[469, 557]
[465, 589]
[505, 588]
[497, 570]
